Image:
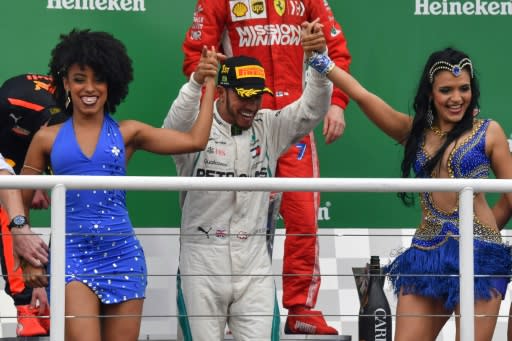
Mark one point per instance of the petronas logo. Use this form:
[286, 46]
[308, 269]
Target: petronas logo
[280, 6]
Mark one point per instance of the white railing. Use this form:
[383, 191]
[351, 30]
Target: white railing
[59, 184]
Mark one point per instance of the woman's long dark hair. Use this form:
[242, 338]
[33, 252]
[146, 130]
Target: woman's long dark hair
[420, 123]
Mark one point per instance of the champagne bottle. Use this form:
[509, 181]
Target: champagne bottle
[375, 314]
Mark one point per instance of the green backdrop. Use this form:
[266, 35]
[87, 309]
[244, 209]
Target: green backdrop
[389, 42]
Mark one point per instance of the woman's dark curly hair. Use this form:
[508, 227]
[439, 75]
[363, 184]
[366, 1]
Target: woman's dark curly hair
[100, 51]
[422, 105]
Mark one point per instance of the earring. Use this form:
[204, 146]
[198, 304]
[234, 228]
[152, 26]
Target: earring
[68, 100]
[476, 111]
[430, 116]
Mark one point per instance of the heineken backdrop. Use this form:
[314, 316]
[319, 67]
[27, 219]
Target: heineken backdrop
[389, 42]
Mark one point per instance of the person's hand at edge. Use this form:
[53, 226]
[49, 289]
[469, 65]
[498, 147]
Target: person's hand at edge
[40, 301]
[41, 200]
[208, 65]
[34, 276]
[334, 124]
[29, 246]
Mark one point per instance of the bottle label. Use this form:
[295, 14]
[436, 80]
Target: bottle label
[380, 324]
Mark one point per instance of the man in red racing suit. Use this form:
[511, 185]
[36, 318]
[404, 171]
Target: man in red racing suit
[270, 31]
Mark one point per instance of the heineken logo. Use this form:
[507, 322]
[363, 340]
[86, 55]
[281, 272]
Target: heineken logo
[98, 5]
[463, 7]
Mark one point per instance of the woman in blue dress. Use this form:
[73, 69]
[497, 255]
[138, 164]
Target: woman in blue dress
[105, 264]
[443, 140]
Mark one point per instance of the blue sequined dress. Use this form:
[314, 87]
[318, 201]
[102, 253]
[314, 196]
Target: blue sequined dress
[102, 250]
[435, 246]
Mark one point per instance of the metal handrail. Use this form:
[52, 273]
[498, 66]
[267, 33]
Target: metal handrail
[60, 183]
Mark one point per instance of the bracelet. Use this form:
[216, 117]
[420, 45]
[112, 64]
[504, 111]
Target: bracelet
[321, 63]
[32, 168]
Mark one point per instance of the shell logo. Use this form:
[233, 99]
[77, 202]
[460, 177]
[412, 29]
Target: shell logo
[240, 9]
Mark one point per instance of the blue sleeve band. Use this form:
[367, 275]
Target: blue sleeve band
[321, 63]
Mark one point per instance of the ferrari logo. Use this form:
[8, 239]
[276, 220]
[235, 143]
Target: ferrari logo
[280, 6]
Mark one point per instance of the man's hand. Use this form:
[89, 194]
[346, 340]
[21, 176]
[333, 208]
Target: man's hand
[40, 300]
[208, 65]
[34, 276]
[40, 200]
[312, 37]
[29, 246]
[334, 124]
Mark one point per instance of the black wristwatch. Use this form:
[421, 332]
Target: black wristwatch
[18, 221]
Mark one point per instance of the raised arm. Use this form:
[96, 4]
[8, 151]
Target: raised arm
[298, 118]
[171, 141]
[395, 124]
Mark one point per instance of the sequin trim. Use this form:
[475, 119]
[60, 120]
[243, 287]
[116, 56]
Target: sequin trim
[467, 159]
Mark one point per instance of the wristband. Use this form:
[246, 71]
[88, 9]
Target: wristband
[321, 63]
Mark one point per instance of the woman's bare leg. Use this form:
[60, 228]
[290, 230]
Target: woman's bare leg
[84, 307]
[485, 321]
[120, 328]
[419, 318]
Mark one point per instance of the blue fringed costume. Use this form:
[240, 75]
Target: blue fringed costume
[435, 245]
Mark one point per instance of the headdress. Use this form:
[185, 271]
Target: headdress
[243, 74]
[455, 69]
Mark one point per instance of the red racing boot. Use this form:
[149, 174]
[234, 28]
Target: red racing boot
[29, 322]
[301, 320]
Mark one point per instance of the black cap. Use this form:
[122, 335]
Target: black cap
[244, 75]
[29, 97]
[55, 115]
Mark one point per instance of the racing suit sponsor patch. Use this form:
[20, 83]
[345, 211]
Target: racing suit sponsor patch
[17, 130]
[247, 9]
[220, 233]
[297, 8]
[239, 10]
[334, 31]
[258, 9]
[206, 232]
[242, 235]
[280, 6]
[256, 151]
[196, 35]
[196, 31]
[266, 35]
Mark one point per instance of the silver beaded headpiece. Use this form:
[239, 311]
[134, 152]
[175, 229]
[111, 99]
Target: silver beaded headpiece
[456, 69]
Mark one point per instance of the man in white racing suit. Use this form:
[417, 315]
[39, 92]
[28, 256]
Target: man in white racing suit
[225, 273]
